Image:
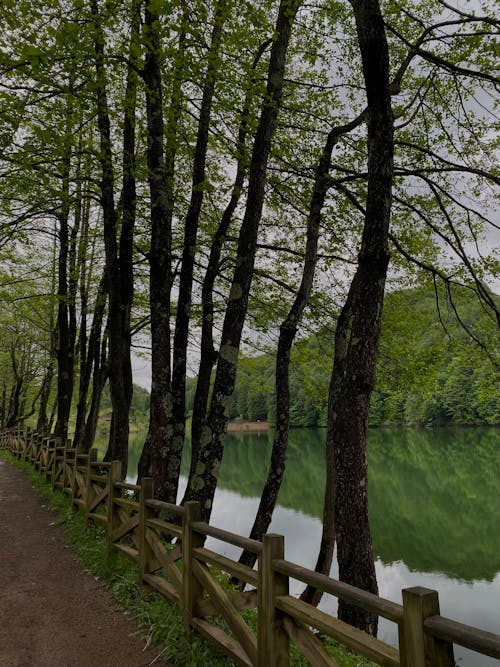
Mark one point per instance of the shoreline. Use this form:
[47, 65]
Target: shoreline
[248, 426]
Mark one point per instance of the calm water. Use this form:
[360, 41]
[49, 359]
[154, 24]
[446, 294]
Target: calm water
[434, 511]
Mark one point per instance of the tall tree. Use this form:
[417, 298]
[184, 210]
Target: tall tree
[161, 173]
[208, 354]
[173, 442]
[118, 250]
[202, 484]
[358, 327]
[288, 331]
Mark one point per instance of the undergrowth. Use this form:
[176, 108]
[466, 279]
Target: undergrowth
[159, 621]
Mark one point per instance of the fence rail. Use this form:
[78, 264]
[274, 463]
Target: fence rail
[167, 543]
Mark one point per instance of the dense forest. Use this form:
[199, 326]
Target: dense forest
[431, 371]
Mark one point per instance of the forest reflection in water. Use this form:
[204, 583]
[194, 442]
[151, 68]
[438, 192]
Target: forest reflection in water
[434, 511]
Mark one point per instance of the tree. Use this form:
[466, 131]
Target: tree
[119, 255]
[202, 484]
[358, 327]
[208, 354]
[26, 332]
[288, 331]
[171, 442]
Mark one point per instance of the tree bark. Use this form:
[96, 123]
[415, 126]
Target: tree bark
[328, 536]
[202, 484]
[42, 420]
[85, 359]
[169, 485]
[42, 425]
[100, 375]
[64, 350]
[121, 384]
[161, 168]
[3, 405]
[15, 392]
[89, 361]
[118, 255]
[208, 355]
[355, 358]
[288, 331]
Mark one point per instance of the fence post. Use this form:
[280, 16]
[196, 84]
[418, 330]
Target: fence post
[88, 484]
[191, 588]
[50, 458]
[63, 477]
[145, 551]
[74, 476]
[57, 446]
[421, 649]
[24, 443]
[273, 645]
[21, 452]
[44, 453]
[115, 475]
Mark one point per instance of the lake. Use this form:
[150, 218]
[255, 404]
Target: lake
[434, 511]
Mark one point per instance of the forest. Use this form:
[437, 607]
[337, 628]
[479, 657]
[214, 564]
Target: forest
[429, 372]
[200, 180]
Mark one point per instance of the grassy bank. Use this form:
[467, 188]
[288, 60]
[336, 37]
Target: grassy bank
[159, 620]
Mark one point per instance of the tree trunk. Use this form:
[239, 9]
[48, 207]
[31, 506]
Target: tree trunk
[208, 355]
[100, 376]
[64, 350]
[161, 168]
[14, 407]
[355, 359]
[90, 358]
[3, 405]
[43, 424]
[121, 383]
[327, 544]
[202, 484]
[288, 331]
[118, 257]
[86, 356]
[167, 487]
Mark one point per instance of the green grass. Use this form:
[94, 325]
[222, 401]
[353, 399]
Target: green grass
[159, 621]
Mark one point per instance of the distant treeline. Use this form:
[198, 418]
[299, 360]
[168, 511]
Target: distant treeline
[431, 371]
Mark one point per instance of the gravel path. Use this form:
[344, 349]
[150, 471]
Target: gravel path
[52, 612]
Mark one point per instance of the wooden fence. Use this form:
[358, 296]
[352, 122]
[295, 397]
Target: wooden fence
[145, 529]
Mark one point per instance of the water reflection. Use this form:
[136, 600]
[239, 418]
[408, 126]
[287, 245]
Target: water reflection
[434, 512]
[434, 495]
[435, 500]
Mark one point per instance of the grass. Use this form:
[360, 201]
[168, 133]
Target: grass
[159, 621]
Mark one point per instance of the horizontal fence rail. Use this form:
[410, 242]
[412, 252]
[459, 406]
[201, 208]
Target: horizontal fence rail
[167, 542]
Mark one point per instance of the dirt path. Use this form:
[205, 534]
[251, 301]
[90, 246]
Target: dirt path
[52, 613]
